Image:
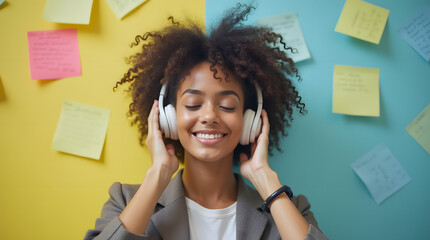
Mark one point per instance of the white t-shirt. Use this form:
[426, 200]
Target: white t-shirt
[211, 224]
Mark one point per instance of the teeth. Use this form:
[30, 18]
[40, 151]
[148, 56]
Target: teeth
[208, 136]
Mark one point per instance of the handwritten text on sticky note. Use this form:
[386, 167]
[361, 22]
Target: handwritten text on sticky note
[356, 91]
[54, 54]
[419, 128]
[287, 25]
[68, 11]
[362, 20]
[81, 130]
[123, 7]
[381, 172]
[416, 31]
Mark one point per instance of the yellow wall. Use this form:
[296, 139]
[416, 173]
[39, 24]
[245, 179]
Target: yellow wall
[47, 194]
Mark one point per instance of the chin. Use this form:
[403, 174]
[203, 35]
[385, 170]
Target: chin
[210, 156]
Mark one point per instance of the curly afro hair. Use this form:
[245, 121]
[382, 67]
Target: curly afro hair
[249, 53]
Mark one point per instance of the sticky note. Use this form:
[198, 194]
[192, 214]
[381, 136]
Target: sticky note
[1, 2]
[54, 54]
[123, 7]
[419, 128]
[381, 173]
[68, 11]
[81, 130]
[356, 91]
[416, 31]
[362, 20]
[287, 25]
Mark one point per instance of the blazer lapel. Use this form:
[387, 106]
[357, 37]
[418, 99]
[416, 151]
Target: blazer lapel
[172, 220]
[250, 222]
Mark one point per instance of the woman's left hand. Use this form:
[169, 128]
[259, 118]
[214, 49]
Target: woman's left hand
[258, 163]
[288, 219]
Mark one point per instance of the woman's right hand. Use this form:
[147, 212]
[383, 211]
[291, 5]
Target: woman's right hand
[163, 156]
[137, 214]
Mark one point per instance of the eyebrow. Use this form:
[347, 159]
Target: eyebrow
[222, 93]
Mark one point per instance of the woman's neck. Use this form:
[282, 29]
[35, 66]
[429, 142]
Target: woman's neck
[210, 184]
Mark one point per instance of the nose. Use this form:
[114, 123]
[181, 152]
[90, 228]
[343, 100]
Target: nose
[208, 114]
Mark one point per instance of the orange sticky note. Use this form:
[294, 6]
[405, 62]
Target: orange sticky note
[54, 54]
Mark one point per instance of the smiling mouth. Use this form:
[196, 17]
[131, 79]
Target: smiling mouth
[209, 136]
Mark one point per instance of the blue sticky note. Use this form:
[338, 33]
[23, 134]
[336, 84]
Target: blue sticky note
[416, 31]
[381, 172]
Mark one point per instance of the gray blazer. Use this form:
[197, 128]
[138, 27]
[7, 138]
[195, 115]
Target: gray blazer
[170, 217]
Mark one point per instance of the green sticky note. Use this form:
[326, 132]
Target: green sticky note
[81, 130]
[419, 128]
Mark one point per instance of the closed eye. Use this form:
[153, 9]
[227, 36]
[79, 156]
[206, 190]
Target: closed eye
[192, 106]
[228, 108]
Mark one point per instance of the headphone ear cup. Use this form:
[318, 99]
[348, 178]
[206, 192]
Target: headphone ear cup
[254, 134]
[248, 117]
[164, 127]
[171, 120]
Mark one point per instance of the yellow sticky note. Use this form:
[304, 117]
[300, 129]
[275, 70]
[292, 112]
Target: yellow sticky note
[419, 129]
[356, 91]
[68, 11]
[81, 130]
[362, 20]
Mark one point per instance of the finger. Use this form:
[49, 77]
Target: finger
[170, 149]
[156, 116]
[151, 114]
[153, 125]
[243, 158]
[266, 125]
[265, 129]
[253, 147]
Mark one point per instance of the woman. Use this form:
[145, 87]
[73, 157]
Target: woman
[209, 81]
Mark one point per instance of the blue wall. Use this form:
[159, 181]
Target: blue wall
[321, 145]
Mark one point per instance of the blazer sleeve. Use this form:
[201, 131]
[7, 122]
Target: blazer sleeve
[108, 226]
[304, 207]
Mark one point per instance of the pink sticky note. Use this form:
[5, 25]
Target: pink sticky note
[54, 54]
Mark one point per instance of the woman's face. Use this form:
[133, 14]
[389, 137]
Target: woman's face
[209, 114]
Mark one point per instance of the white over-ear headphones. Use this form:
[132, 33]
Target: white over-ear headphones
[167, 117]
[251, 120]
